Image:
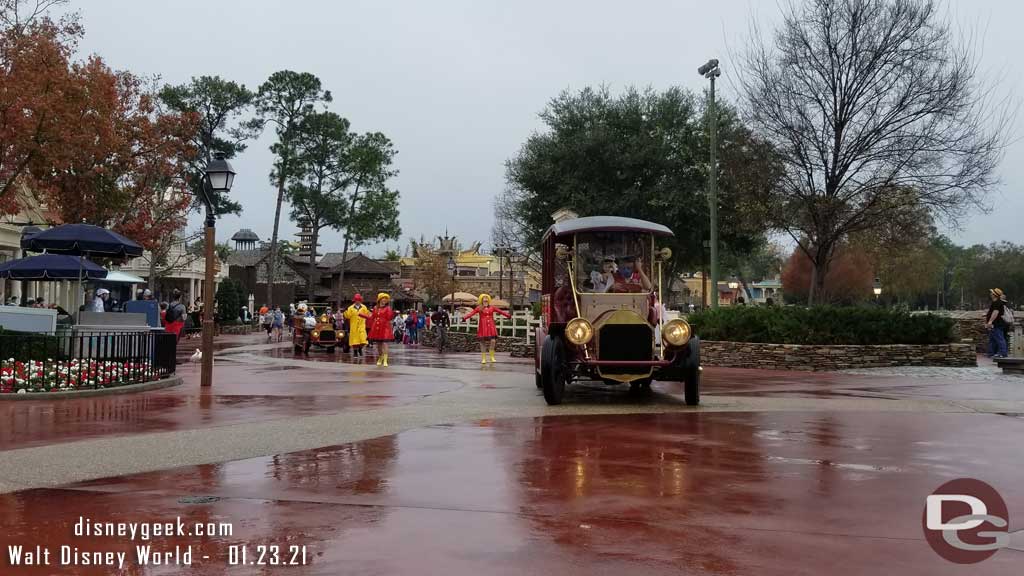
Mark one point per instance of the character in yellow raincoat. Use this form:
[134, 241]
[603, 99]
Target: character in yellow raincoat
[356, 314]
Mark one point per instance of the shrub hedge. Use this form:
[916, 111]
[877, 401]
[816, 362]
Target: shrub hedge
[25, 346]
[821, 325]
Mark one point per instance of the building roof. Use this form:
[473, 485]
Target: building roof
[606, 224]
[394, 265]
[246, 258]
[360, 264]
[245, 235]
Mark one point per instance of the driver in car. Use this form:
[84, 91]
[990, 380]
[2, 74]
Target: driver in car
[630, 277]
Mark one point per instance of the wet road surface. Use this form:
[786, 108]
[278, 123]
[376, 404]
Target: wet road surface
[716, 493]
[836, 488]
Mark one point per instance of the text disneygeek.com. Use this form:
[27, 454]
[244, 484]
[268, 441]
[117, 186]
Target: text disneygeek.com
[142, 552]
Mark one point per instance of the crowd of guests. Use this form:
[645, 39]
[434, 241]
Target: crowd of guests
[379, 325]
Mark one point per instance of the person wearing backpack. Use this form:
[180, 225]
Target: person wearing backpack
[998, 320]
[174, 318]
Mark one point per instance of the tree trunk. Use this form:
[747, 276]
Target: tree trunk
[344, 250]
[151, 279]
[272, 257]
[311, 282]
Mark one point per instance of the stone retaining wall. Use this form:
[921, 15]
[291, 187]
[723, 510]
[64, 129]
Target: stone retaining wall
[807, 357]
[462, 342]
[775, 356]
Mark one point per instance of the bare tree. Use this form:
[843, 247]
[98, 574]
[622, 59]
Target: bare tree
[508, 228]
[18, 14]
[878, 114]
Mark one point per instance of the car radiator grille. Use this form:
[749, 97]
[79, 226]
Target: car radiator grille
[625, 342]
[326, 335]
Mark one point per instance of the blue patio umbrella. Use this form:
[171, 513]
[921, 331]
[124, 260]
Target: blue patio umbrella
[52, 267]
[81, 239]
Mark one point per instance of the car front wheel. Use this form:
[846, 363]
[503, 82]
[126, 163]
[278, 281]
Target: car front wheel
[553, 370]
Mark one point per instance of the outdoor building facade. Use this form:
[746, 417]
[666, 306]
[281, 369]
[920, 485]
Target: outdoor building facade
[181, 269]
[475, 271]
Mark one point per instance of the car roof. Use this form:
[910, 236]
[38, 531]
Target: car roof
[606, 224]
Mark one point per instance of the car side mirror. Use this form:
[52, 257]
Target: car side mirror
[664, 254]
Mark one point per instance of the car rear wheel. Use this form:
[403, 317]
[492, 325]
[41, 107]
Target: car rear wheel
[553, 370]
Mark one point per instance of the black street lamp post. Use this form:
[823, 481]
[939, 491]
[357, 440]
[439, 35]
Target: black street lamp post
[218, 178]
[451, 270]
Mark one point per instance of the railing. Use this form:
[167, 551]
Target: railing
[45, 362]
[520, 325]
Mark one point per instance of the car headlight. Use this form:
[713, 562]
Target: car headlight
[316, 333]
[676, 332]
[579, 331]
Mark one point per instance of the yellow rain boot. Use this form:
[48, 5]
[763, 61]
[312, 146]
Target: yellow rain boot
[492, 356]
[380, 359]
[483, 357]
[385, 360]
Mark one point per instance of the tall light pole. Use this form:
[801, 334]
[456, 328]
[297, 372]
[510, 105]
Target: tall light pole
[711, 71]
[451, 270]
[218, 178]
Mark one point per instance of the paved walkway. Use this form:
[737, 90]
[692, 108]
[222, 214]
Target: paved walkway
[436, 465]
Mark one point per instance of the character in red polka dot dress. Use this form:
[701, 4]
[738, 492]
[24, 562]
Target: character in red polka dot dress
[486, 331]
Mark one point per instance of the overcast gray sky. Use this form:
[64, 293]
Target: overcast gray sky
[457, 85]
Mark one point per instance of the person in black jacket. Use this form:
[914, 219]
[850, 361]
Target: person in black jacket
[996, 324]
[441, 321]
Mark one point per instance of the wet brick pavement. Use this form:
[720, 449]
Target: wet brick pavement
[777, 473]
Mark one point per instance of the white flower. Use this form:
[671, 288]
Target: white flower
[22, 391]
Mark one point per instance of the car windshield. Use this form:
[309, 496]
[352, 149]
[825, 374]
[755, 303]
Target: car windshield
[613, 262]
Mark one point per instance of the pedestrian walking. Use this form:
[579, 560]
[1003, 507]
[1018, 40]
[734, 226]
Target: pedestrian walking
[174, 318]
[278, 323]
[441, 321]
[398, 324]
[486, 332]
[267, 322]
[999, 316]
[411, 326]
[380, 327]
[357, 314]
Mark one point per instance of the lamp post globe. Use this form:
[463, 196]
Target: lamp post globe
[220, 174]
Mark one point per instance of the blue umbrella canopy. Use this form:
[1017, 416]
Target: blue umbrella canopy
[79, 239]
[52, 267]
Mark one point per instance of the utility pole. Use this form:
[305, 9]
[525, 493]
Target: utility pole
[711, 71]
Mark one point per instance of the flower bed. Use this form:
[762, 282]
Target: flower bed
[62, 375]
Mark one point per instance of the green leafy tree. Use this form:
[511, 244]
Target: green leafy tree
[220, 106]
[371, 207]
[644, 155]
[392, 255]
[230, 299]
[321, 148]
[284, 100]
[223, 250]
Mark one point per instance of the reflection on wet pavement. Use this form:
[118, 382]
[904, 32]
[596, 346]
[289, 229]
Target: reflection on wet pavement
[719, 493]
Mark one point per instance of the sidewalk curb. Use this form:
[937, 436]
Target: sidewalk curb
[69, 394]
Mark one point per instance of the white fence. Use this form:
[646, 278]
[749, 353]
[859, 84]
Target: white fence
[522, 324]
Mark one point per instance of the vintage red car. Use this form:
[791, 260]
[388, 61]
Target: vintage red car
[322, 335]
[602, 312]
